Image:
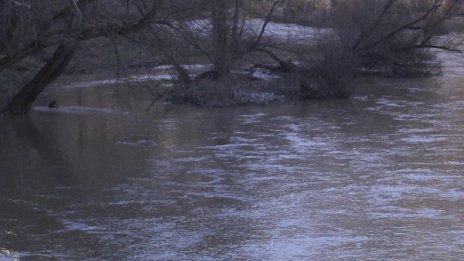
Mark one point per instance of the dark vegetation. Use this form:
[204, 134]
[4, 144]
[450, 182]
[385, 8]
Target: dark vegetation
[43, 39]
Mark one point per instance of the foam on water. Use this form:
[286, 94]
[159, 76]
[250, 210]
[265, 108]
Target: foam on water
[76, 110]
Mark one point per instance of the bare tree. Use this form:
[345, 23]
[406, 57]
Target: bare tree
[30, 26]
[216, 30]
[391, 37]
[393, 33]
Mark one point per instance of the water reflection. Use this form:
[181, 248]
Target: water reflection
[375, 177]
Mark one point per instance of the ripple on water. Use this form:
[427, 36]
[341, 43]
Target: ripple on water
[373, 178]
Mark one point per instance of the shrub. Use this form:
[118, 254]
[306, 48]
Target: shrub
[236, 89]
[392, 37]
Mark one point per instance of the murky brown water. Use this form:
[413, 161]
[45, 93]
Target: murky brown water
[379, 176]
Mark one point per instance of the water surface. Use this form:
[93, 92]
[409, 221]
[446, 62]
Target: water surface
[375, 177]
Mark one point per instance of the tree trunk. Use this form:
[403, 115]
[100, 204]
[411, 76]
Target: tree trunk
[22, 102]
[220, 39]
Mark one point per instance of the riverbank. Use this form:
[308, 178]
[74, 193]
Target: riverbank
[257, 80]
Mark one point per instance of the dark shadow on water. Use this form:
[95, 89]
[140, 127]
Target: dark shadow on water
[51, 163]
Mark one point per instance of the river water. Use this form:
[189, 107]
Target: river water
[379, 176]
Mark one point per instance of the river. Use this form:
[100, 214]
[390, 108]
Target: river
[379, 176]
